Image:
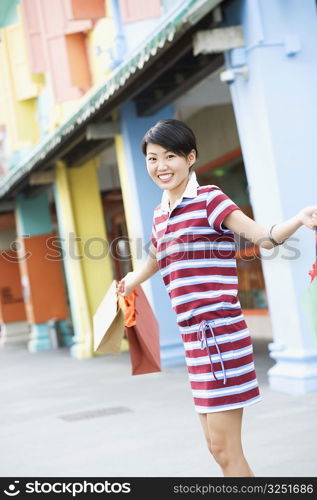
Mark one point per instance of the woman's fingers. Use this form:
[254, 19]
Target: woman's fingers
[121, 286]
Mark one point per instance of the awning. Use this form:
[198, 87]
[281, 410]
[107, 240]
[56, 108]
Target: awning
[187, 15]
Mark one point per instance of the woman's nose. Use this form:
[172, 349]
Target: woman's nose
[161, 165]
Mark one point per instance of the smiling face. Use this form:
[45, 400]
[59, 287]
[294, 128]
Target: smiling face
[168, 170]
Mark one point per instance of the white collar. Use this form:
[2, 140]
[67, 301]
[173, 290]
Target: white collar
[190, 192]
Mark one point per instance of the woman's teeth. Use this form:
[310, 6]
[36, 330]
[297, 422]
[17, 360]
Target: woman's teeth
[165, 177]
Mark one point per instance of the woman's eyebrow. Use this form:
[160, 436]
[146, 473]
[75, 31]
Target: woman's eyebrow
[166, 151]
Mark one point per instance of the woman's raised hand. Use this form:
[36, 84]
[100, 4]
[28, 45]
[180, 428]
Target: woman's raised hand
[308, 216]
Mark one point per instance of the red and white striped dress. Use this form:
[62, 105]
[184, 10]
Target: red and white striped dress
[196, 257]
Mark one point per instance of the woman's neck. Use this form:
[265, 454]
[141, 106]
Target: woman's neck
[176, 193]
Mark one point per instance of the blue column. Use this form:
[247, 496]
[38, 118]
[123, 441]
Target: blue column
[33, 218]
[273, 88]
[142, 198]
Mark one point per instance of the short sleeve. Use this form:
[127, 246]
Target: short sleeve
[218, 206]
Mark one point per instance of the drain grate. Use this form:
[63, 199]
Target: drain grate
[101, 412]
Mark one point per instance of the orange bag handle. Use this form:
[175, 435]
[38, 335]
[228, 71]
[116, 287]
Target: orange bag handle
[127, 304]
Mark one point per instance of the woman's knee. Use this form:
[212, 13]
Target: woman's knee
[224, 432]
[219, 450]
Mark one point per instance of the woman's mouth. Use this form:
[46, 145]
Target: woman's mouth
[165, 177]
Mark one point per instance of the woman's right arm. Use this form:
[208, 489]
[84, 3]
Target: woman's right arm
[134, 278]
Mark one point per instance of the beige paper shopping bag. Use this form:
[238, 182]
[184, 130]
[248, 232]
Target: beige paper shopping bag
[108, 323]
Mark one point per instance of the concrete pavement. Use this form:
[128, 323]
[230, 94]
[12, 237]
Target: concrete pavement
[64, 417]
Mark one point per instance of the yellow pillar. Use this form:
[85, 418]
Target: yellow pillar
[130, 209]
[73, 269]
[88, 266]
[91, 230]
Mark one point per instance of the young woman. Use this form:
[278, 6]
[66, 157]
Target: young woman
[192, 244]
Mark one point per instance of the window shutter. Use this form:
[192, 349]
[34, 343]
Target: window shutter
[33, 35]
[26, 85]
[83, 9]
[78, 60]
[60, 49]
[137, 10]
[54, 15]
[3, 87]
[19, 116]
[5, 91]
[59, 69]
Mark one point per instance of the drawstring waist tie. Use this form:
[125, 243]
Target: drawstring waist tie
[201, 335]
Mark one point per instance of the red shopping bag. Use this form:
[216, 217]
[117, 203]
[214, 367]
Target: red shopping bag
[142, 331]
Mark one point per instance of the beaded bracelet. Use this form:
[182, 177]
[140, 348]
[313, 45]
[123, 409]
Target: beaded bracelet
[272, 240]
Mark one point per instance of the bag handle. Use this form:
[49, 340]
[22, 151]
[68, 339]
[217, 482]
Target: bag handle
[127, 304]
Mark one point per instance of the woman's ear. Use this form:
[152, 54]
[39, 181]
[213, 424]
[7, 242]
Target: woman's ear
[191, 158]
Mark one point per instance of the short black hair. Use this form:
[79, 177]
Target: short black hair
[173, 135]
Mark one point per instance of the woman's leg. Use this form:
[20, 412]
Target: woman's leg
[222, 431]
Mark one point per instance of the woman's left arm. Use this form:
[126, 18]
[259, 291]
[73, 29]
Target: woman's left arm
[243, 225]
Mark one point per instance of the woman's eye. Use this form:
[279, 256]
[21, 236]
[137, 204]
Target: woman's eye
[151, 159]
[170, 156]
